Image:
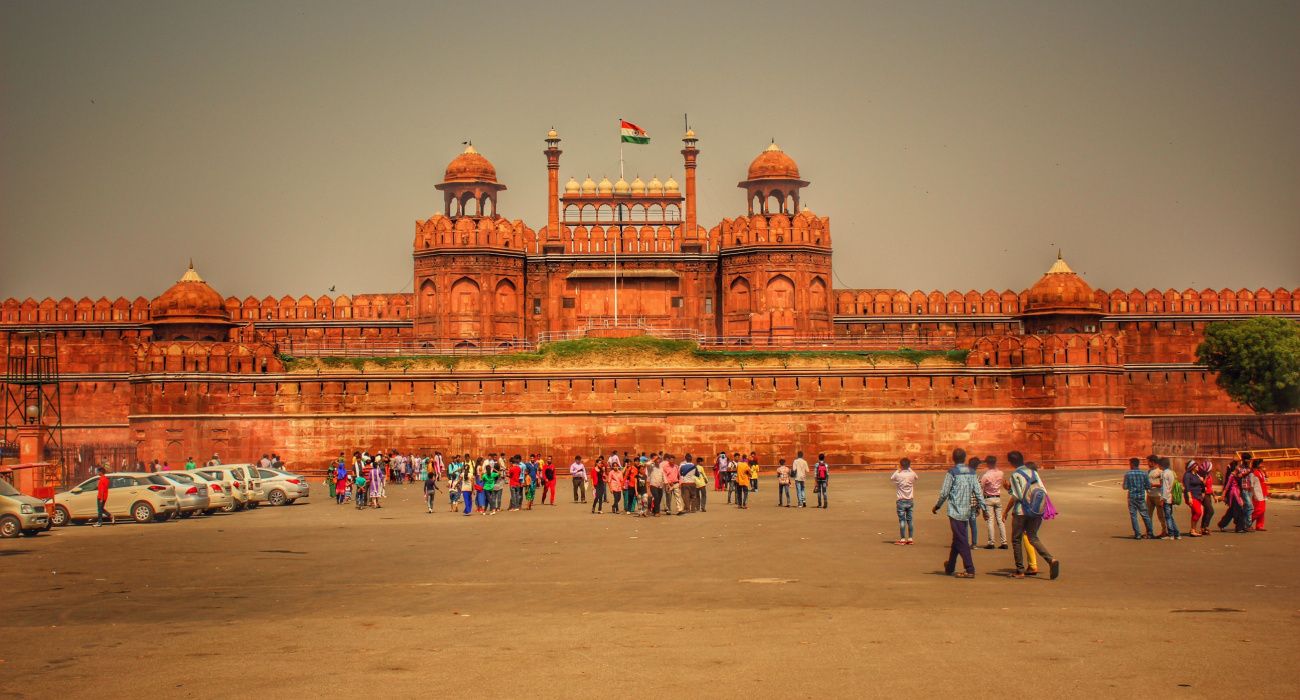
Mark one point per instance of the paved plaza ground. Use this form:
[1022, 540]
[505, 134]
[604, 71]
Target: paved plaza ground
[325, 600]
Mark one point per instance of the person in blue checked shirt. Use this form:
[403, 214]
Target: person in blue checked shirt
[1136, 483]
[959, 488]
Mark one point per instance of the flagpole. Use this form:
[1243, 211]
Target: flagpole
[618, 238]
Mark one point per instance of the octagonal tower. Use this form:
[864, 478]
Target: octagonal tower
[775, 269]
[469, 261]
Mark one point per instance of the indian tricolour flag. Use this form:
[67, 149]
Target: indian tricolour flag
[631, 133]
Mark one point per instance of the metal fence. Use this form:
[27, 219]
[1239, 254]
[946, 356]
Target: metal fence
[76, 463]
[1221, 436]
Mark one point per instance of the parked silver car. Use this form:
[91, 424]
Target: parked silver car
[191, 493]
[283, 488]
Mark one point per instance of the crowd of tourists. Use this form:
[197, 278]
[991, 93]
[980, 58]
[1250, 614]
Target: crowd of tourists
[646, 484]
[974, 489]
[1160, 490]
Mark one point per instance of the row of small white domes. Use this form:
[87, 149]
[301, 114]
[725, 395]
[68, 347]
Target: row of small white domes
[637, 186]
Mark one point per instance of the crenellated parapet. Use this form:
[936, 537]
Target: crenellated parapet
[65, 310]
[441, 233]
[1154, 302]
[205, 357]
[802, 229]
[1103, 349]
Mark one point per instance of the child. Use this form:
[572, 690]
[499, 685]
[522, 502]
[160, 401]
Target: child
[782, 484]
[430, 488]
[904, 491]
[359, 488]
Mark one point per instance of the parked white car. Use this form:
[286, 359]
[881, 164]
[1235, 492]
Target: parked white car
[283, 488]
[132, 494]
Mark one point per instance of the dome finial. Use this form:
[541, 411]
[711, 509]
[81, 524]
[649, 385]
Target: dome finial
[190, 274]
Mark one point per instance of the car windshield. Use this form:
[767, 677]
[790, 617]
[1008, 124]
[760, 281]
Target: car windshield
[268, 474]
[7, 489]
[183, 478]
[158, 479]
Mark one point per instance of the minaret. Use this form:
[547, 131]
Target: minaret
[689, 153]
[553, 182]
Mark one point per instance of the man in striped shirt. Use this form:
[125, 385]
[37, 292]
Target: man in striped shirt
[959, 488]
[1136, 483]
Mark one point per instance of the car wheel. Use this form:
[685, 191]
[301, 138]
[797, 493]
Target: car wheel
[60, 517]
[9, 526]
[251, 505]
[276, 498]
[142, 512]
[186, 514]
[241, 505]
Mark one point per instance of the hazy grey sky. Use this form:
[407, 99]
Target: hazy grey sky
[291, 146]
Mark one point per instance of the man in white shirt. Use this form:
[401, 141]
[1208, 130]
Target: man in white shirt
[578, 473]
[799, 472]
[904, 481]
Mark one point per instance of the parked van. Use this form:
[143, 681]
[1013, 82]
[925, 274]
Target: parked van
[20, 513]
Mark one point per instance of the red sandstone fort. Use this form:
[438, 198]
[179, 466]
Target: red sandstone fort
[1068, 374]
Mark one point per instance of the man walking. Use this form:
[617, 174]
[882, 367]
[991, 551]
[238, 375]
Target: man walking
[672, 481]
[822, 474]
[799, 472]
[904, 480]
[1135, 482]
[959, 487]
[578, 474]
[515, 475]
[1028, 500]
[548, 479]
[991, 485]
[690, 496]
[101, 499]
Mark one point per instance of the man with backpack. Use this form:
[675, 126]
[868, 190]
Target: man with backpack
[822, 476]
[1026, 508]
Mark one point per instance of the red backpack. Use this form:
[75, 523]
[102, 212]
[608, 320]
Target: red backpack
[823, 470]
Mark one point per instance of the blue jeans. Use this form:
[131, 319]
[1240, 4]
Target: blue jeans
[1169, 518]
[1245, 512]
[904, 507]
[1136, 507]
[782, 494]
[800, 493]
[974, 531]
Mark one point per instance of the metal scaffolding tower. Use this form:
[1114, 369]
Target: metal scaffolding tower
[32, 393]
